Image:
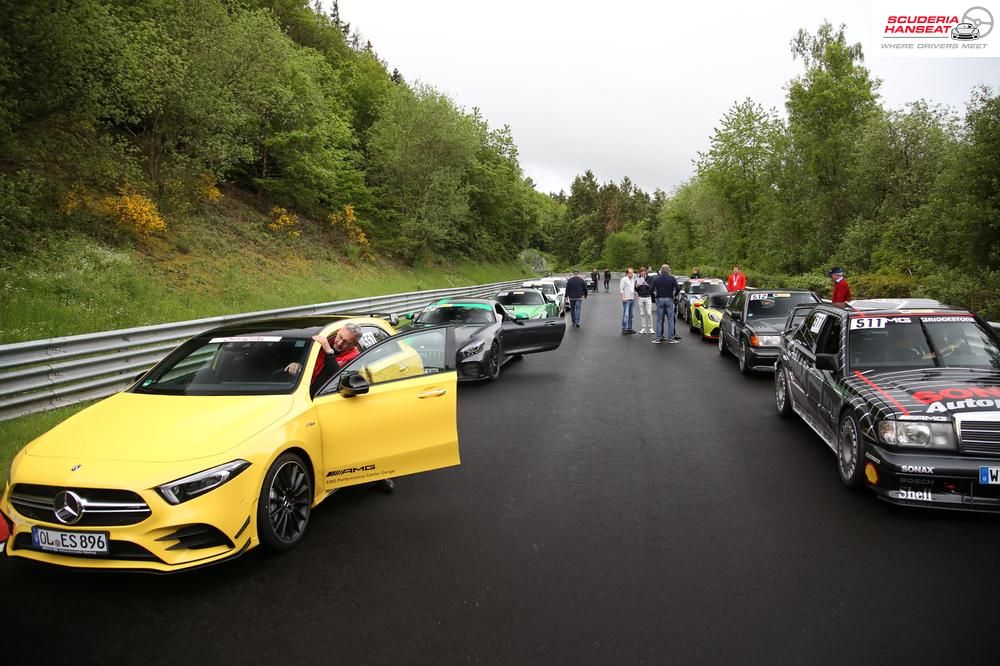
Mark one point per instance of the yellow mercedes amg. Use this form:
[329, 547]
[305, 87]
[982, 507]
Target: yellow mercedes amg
[229, 442]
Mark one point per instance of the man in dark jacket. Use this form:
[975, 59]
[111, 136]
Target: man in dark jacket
[576, 291]
[595, 276]
[607, 279]
[665, 287]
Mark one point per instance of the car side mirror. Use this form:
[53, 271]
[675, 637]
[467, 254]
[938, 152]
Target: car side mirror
[352, 384]
[826, 362]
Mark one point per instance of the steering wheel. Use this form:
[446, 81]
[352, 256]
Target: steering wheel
[274, 376]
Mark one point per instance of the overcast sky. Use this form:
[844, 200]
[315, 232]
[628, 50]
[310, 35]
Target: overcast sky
[628, 87]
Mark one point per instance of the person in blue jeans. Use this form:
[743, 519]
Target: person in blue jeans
[627, 288]
[665, 287]
[576, 291]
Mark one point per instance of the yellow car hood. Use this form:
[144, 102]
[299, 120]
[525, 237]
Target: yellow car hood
[160, 428]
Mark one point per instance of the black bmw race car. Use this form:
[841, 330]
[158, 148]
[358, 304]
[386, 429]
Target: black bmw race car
[752, 323]
[487, 335]
[906, 394]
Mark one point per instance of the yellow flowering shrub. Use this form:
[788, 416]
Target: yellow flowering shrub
[346, 222]
[134, 211]
[207, 188]
[284, 220]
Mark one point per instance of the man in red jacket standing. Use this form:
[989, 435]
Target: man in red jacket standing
[841, 290]
[737, 281]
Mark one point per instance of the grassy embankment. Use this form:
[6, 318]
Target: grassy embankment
[220, 261]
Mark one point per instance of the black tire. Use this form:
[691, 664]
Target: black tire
[692, 327]
[782, 399]
[850, 453]
[285, 503]
[742, 358]
[493, 362]
[722, 343]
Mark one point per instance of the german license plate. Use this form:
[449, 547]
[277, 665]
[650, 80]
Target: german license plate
[77, 543]
[989, 476]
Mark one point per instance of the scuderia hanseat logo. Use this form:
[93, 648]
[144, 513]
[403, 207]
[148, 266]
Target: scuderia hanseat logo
[930, 29]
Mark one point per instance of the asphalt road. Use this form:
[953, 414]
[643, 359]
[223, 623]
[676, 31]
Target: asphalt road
[619, 502]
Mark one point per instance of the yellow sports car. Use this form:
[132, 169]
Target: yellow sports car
[706, 314]
[229, 442]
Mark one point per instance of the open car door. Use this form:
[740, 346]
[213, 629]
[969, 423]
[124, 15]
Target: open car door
[529, 336]
[391, 411]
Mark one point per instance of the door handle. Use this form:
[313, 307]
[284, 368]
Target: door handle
[436, 393]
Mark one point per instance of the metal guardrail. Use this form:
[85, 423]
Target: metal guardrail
[40, 375]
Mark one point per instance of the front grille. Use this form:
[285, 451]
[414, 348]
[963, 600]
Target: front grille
[196, 537]
[117, 550]
[979, 436]
[101, 507]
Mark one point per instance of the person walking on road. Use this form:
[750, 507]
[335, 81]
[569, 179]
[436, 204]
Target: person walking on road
[665, 288]
[576, 291]
[644, 297]
[607, 280]
[627, 288]
[737, 281]
[841, 290]
[595, 276]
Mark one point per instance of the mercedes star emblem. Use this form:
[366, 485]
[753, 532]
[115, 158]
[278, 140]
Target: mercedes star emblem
[68, 507]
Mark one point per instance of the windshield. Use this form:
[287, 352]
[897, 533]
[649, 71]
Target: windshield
[921, 342]
[234, 365]
[456, 314]
[520, 298]
[717, 301]
[771, 304]
[706, 287]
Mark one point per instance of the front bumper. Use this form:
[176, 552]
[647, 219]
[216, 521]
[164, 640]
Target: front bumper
[762, 358]
[216, 526]
[936, 481]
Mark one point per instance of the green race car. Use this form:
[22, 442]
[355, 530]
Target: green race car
[704, 317]
[531, 303]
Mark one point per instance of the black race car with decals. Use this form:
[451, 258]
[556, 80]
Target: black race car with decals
[752, 323]
[906, 394]
[487, 335]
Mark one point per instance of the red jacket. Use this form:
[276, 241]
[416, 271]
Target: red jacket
[736, 281]
[841, 292]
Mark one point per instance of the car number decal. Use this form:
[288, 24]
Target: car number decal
[868, 322]
[817, 322]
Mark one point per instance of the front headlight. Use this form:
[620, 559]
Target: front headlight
[940, 436]
[472, 349]
[192, 486]
[714, 317]
[764, 340]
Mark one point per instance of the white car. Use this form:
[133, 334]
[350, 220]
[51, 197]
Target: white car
[965, 31]
[552, 292]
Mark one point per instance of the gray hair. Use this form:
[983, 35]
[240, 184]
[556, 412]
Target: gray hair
[353, 329]
[665, 268]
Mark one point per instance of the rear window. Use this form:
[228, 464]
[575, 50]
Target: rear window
[707, 287]
[774, 304]
[455, 314]
[520, 298]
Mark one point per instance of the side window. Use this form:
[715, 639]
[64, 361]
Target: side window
[736, 305]
[806, 333]
[830, 342]
[402, 357]
[371, 336]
